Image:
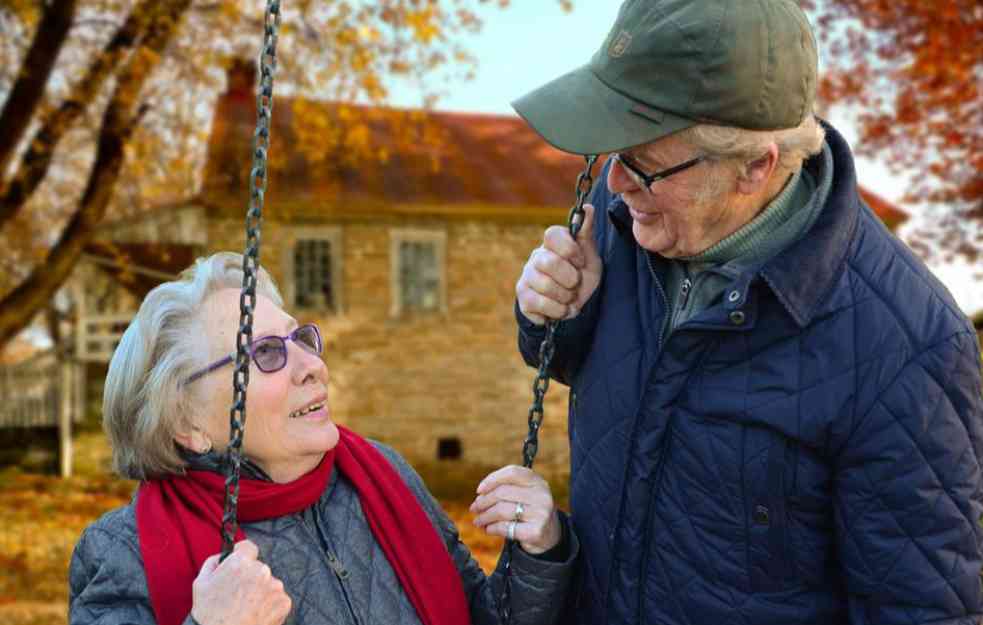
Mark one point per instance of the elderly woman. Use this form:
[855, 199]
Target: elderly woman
[334, 529]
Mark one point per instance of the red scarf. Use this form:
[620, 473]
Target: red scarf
[179, 518]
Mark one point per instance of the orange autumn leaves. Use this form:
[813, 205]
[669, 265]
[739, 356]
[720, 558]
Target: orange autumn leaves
[914, 70]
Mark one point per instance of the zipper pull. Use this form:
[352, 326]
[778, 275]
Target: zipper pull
[338, 568]
[684, 290]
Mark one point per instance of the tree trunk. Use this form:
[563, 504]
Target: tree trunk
[40, 150]
[121, 116]
[33, 76]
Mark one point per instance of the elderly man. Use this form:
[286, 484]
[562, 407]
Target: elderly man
[775, 409]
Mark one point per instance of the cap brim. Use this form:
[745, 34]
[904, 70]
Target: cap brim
[578, 113]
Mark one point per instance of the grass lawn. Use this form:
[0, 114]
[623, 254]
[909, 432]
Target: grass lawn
[42, 516]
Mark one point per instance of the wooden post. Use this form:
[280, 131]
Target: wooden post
[68, 390]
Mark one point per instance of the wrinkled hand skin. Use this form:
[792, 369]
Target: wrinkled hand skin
[499, 493]
[561, 274]
[239, 591]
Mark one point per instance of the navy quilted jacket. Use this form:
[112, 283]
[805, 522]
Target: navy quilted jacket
[807, 450]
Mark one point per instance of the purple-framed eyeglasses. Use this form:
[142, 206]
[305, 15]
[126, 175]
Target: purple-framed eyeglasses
[644, 180]
[270, 352]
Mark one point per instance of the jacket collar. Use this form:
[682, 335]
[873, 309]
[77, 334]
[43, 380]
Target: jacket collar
[802, 275]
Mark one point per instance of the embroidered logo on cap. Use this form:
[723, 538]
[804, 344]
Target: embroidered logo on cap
[620, 45]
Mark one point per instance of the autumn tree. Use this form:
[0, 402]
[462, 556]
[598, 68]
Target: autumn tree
[913, 69]
[106, 105]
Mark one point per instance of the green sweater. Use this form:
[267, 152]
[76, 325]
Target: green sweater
[694, 283]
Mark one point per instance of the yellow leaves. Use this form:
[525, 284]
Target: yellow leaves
[425, 23]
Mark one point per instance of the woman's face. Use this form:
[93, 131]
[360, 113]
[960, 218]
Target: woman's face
[283, 442]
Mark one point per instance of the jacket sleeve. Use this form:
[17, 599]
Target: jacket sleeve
[908, 497]
[539, 585]
[573, 336]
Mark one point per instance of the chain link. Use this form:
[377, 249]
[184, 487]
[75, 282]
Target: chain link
[542, 382]
[250, 266]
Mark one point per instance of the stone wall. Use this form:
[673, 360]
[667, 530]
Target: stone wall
[412, 380]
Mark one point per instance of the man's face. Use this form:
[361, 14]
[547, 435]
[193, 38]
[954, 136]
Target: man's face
[681, 215]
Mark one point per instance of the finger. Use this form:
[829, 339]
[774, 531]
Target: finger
[509, 474]
[523, 531]
[209, 565]
[557, 239]
[585, 237]
[508, 493]
[550, 288]
[560, 269]
[264, 573]
[505, 511]
[532, 302]
[246, 549]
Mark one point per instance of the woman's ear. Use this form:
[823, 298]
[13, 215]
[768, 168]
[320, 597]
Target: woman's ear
[193, 438]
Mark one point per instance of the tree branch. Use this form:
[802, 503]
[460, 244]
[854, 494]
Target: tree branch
[37, 159]
[119, 121]
[33, 76]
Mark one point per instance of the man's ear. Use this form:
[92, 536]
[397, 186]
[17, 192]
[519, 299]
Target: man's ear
[757, 173]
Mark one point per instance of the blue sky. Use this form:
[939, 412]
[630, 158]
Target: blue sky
[534, 41]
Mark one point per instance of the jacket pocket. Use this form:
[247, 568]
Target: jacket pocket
[767, 479]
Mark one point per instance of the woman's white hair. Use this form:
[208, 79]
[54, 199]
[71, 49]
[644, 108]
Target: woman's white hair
[144, 402]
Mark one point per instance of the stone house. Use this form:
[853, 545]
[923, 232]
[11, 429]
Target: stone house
[407, 261]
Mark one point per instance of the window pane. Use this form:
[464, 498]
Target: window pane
[313, 287]
[419, 275]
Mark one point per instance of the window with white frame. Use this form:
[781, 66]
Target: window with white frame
[418, 283]
[313, 270]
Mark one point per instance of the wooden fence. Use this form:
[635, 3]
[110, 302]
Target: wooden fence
[44, 391]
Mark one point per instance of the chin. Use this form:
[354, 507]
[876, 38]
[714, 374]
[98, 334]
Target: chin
[654, 240]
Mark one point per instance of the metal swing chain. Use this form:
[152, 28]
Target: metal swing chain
[542, 382]
[250, 264]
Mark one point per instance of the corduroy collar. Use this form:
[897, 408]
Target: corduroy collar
[802, 275]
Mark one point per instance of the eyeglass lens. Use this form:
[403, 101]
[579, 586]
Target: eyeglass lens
[270, 353]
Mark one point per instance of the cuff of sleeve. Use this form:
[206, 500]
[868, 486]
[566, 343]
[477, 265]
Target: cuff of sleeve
[568, 327]
[560, 551]
[560, 556]
[527, 327]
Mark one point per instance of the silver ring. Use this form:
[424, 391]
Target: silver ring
[510, 533]
[518, 512]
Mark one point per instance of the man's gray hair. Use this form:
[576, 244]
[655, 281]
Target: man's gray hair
[725, 143]
[144, 403]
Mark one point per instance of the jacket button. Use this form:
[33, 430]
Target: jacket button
[761, 515]
[734, 296]
[737, 317]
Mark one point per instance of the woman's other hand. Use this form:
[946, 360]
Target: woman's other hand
[537, 528]
[239, 591]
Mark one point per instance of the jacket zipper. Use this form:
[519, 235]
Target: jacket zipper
[662, 293]
[337, 568]
[342, 574]
[658, 468]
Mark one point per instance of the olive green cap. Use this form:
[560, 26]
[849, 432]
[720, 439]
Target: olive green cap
[670, 64]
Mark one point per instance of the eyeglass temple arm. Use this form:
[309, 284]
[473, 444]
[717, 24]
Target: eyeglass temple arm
[211, 367]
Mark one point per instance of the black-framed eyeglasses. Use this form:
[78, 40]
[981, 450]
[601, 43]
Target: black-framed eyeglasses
[270, 352]
[644, 180]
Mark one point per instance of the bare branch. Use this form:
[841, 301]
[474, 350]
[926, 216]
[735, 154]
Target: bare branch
[119, 121]
[57, 121]
[33, 76]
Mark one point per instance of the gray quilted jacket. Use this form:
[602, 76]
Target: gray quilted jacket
[329, 562]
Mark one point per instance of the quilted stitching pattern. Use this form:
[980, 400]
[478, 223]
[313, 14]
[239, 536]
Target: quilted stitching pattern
[108, 586]
[853, 417]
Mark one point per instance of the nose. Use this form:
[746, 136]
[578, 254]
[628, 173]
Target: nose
[618, 179]
[309, 366]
